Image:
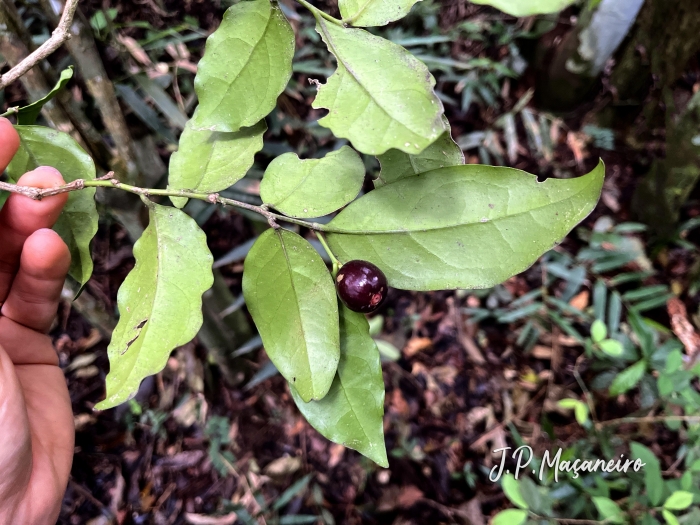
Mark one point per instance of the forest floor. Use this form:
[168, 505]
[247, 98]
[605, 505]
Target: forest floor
[474, 371]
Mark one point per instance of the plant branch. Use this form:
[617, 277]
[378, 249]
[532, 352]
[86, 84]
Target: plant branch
[336, 263]
[109, 182]
[58, 37]
[318, 13]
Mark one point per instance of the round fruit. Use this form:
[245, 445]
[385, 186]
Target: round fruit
[361, 286]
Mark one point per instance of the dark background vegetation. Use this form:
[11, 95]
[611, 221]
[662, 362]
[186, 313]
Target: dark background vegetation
[216, 438]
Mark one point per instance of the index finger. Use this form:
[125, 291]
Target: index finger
[9, 143]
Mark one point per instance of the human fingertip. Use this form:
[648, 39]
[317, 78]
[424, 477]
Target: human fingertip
[45, 255]
[42, 177]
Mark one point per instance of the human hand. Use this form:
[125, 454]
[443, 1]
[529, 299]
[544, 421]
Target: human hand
[36, 421]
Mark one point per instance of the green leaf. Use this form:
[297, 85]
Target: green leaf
[652, 472]
[211, 161]
[461, 227]
[612, 347]
[291, 297]
[397, 165]
[581, 413]
[679, 500]
[669, 517]
[77, 225]
[160, 302]
[628, 378]
[247, 63]
[27, 115]
[352, 412]
[579, 407]
[608, 509]
[598, 331]
[512, 491]
[527, 7]
[313, 187]
[510, 517]
[368, 13]
[380, 97]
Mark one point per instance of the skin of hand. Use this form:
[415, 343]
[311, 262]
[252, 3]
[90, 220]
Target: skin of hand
[36, 421]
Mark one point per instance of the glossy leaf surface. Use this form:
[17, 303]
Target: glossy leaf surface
[313, 187]
[291, 297]
[380, 97]
[352, 412]
[461, 227]
[77, 225]
[247, 63]
[160, 301]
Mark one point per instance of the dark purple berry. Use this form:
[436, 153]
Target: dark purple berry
[361, 286]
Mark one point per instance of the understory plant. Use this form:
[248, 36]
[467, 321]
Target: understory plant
[429, 223]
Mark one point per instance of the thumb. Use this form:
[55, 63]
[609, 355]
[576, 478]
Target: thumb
[15, 438]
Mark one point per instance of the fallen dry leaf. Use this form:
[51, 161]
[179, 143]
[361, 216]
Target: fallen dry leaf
[542, 352]
[201, 519]
[580, 301]
[283, 466]
[409, 496]
[682, 327]
[415, 345]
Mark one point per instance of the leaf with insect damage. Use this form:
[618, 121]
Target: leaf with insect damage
[160, 302]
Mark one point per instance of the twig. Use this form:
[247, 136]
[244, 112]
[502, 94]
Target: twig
[103, 182]
[58, 37]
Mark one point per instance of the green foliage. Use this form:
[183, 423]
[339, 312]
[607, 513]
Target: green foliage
[628, 378]
[679, 500]
[398, 165]
[211, 161]
[291, 297]
[27, 115]
[430, 223]
[380, 97]
[608, 509]
[313, 187]
[367, 13]
[511, 489]
[160, 301]
[527, 7]
[461, 227]
[510, 517]
[352, 412]
[246, 65]
[652, 472]
[77, 225]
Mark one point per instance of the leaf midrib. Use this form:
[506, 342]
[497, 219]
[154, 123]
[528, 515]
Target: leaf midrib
[247, 62]
[359, 12]
[296, 303]
[340, 231]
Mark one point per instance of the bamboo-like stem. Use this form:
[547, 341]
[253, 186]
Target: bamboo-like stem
[58, 37]
[109, 182]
